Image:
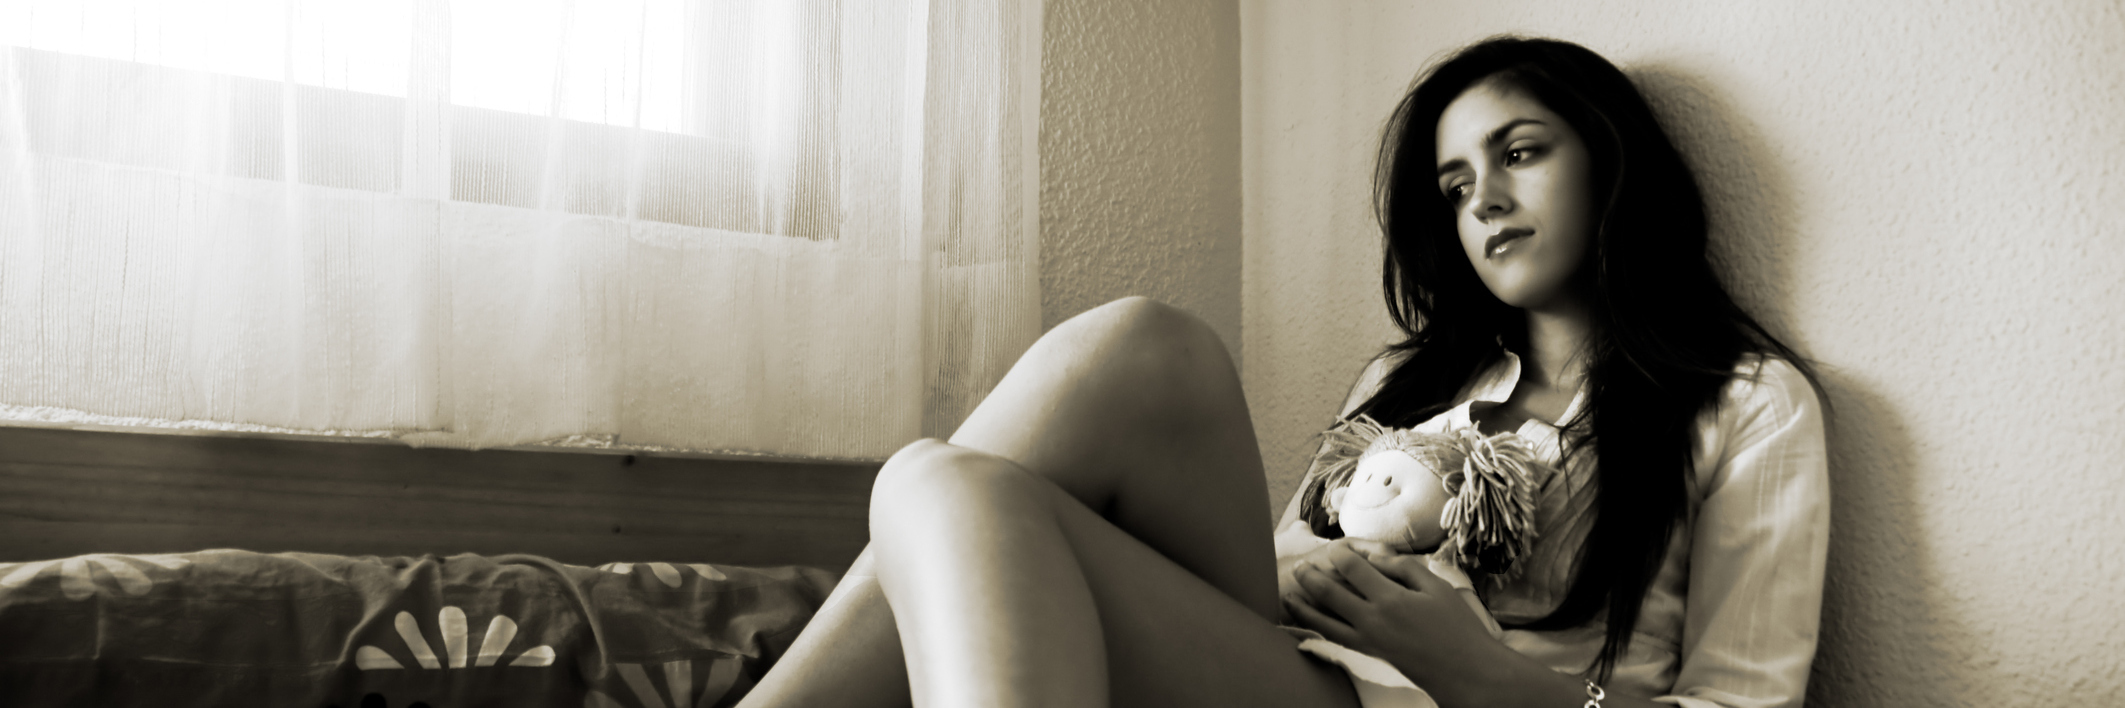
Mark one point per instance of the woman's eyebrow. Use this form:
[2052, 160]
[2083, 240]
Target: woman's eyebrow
[1489, 139]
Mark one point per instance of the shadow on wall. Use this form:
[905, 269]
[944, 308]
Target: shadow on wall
[1883, 642]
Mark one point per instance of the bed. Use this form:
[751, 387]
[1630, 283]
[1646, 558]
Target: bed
[214, 569]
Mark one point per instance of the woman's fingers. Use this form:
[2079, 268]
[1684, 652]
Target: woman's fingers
[1411, 572]
[1325, 590]
[1360, 573]
[1318, 557]
[1319, 584]
[1371, 548]
[1309, 617]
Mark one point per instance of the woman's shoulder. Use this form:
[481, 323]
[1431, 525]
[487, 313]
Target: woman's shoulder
[1766, 383]
[1768, 409]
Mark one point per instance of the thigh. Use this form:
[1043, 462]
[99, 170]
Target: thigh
[1135, 409]
[1172, 639]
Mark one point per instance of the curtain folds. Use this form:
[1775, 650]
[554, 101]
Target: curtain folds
[799, 227]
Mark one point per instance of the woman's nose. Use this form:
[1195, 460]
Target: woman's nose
[1493, 198]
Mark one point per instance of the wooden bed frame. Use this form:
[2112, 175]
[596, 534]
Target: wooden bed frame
[65, 492]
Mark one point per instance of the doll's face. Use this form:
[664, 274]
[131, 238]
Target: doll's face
[1392, 498]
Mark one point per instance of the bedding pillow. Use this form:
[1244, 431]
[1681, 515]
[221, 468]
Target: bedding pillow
[226, 628]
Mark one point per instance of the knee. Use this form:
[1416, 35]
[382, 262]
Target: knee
[1144, 321]
[906, 474]
[928, 480]
[1156, 342]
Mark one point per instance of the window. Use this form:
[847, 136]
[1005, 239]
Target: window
[790, 226]
[717, 115]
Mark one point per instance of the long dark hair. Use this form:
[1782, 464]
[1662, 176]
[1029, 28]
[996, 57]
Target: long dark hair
[1666, 336]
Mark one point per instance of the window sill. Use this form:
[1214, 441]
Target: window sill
[69, 490]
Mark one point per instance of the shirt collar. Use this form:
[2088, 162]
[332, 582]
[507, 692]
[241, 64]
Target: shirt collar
[1495, 385]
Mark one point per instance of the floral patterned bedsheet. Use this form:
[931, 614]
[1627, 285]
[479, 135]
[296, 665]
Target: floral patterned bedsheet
[236, 628]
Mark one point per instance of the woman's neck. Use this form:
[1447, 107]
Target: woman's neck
[1556, 341]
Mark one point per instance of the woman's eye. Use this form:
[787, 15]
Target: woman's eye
[1454, 193]
[1517, 155]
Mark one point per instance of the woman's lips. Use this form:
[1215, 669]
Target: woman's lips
[1501, 242]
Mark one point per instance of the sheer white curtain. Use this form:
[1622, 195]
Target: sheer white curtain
[789, 226]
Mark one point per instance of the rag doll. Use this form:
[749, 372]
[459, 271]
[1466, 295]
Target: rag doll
[1464, 499]
[1462, 494]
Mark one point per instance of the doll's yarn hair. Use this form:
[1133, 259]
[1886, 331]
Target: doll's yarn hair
[1490, 521]
[1491, 482]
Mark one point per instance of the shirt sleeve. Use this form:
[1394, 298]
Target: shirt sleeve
[1758, 549]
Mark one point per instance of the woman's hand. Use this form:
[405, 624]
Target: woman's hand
[1297, 547]
[1374, 600]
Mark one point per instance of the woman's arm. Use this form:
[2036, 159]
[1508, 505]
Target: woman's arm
[1758, 549]
[1391, 607]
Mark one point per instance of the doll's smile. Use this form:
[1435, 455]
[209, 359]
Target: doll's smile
[1368, 497]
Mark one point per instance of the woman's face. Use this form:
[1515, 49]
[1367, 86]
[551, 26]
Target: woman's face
[1517, 176]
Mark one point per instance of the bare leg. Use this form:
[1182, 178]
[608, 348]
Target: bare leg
[1011, 592]
[1132, 409]
[848, 655]
[992, 608]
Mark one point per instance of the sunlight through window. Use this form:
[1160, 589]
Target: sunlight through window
[627, 60]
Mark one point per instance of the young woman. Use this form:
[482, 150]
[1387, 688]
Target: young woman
[1091, 534]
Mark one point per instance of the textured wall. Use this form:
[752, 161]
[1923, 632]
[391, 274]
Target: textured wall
[1925, 198]
[1140, 150]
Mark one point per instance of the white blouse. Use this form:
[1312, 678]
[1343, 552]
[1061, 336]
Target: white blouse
[1730, 621]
